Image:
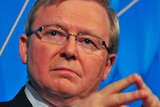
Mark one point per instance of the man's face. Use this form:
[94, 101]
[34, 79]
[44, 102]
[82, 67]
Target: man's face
[64, 69]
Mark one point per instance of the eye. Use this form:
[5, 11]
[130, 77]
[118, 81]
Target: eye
[87, 43]
[53, 33]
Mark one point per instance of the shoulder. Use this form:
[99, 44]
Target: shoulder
[4, 104]
[20, 100]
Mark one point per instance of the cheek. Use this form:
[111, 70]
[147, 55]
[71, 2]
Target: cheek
[39, 57]
[93, 68]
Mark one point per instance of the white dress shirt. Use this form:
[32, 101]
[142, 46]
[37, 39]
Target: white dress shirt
[35, 99]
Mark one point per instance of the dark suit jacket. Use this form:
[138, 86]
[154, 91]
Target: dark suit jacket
[20, 100]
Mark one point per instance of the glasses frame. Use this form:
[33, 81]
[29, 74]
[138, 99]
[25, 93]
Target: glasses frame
[42, 27]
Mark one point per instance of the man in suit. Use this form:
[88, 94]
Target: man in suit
[69, 47]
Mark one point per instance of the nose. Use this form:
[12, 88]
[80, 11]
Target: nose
[69, 51]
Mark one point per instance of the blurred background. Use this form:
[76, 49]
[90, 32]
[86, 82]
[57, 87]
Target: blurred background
[139, 48]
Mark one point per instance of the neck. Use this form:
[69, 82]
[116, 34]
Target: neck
[59, 99]
[53, 99]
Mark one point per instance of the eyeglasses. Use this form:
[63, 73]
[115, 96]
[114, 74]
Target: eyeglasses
[56, 35]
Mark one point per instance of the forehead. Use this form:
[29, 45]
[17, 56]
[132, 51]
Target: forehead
[76, 13]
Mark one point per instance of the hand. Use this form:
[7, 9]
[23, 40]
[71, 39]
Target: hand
[111, 95]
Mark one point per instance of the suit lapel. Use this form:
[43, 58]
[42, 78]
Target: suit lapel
[20, 100]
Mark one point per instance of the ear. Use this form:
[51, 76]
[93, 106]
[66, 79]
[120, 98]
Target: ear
[109, 63]
[23, 48]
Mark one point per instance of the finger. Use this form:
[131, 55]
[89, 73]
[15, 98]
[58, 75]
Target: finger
[120, 85]
[124, 106]
[141, 85]
[149, 99]
[151, 102]
[123, 98]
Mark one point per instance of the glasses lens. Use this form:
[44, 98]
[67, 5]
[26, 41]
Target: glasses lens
[53, 34]
[90, 44]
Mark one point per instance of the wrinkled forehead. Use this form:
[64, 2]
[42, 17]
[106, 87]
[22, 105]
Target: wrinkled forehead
[70, 9]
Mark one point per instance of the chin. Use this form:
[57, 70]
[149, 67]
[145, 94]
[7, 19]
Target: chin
[64, 87]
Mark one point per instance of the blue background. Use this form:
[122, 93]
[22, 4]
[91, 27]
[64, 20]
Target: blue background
[139, 49]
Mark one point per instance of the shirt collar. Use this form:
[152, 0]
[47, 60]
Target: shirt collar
[35, 99]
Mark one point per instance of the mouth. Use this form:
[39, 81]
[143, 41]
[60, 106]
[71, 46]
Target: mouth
[65, 70]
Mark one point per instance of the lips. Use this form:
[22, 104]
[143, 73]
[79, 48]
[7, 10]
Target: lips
[65, 70]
